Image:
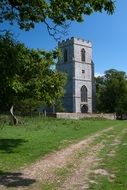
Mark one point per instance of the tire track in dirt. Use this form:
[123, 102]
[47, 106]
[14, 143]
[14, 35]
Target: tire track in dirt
[79, 179]
[43, 170]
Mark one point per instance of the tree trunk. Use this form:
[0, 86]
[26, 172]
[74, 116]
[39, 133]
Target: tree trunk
[14, 119]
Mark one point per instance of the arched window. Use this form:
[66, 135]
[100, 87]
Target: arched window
[83, 94]
[65, 55]
[83, 55]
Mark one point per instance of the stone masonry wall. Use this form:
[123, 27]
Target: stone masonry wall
[79, 73]
[111, 116]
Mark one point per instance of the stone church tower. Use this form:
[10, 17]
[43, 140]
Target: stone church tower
[77, 62]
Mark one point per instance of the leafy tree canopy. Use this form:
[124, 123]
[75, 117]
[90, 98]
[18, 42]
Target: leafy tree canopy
[112, 92]
[29, 12]
[26, 76]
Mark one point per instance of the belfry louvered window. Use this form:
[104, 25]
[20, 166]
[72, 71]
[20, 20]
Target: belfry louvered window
[83, 55]
[83, 94]
[65, 55]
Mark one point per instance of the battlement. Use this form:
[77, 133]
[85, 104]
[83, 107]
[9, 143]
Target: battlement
[74, 40]
[76, 62]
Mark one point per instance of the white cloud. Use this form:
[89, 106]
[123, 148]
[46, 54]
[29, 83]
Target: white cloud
[99, 74]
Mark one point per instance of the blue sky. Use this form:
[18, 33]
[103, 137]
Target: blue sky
[108, 35]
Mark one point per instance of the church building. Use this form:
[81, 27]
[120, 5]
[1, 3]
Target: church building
[77, 63]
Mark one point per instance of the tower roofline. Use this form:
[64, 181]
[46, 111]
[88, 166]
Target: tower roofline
[75, 40]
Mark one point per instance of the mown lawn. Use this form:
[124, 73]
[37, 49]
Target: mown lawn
[22, 145]
[113, 161]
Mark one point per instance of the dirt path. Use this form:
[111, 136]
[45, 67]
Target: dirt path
[66, 169]
[58, 159]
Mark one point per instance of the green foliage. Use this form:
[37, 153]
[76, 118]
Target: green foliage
[59, 106]
[26, 77]
[28, 13]
[112, 92]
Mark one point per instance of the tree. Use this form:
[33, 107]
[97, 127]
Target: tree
[112, 92]
[27, 13]
[99, 88]
[26, 77]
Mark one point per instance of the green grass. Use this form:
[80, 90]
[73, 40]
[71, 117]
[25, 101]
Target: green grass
[116, 165]
[22, 145]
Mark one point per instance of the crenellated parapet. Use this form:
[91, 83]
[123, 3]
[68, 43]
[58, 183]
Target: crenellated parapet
[76, 62]
[74, 40]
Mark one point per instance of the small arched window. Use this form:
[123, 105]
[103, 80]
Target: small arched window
[83, 55]
[65, 55]
[83, 94]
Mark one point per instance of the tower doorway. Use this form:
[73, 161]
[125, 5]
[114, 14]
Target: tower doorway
[84, 109]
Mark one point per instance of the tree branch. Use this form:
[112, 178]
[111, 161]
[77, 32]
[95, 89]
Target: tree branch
[57, 31]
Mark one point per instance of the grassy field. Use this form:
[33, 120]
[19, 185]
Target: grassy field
[113, 161]
[22, 145]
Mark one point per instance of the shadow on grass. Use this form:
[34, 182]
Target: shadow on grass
[10, 179]
[8, 145]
